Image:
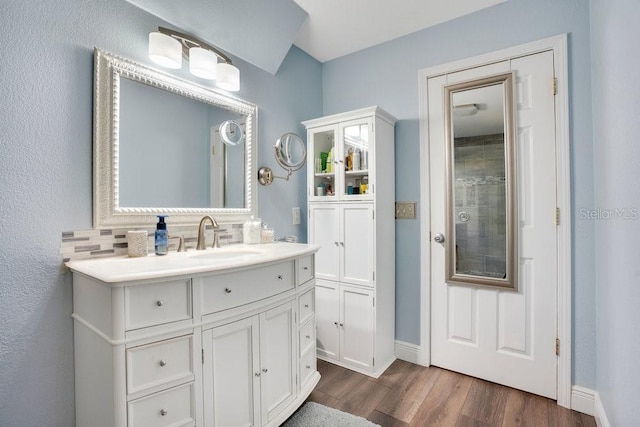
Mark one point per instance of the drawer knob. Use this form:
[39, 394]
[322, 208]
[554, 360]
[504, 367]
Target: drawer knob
[163, 412]
[308, 366]
[163, 363]
[160, 303]
[335, 323]
[306, 268]
[308, 337]
[279, 276]
[227, 290]
[306, 306]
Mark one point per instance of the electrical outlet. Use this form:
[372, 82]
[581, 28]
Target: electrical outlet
[295, 213]
[405, 210]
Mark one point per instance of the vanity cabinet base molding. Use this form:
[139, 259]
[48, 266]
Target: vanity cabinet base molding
[173, 351]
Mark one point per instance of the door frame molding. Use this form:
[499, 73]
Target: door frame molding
[558, 45]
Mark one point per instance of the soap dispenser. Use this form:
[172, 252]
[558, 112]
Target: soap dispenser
[162, 243]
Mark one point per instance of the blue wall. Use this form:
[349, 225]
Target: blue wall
[46, 81]
[387, 75]
[616, 105]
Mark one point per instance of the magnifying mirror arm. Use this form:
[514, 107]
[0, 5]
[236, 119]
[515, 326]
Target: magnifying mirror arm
[266, 176]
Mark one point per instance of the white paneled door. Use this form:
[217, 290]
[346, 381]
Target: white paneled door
[503, 336]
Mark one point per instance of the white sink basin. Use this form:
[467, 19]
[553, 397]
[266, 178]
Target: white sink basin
[222, 254]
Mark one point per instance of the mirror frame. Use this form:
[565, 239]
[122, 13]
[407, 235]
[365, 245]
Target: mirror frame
[278, 151]
[108, 70]
[511, 201]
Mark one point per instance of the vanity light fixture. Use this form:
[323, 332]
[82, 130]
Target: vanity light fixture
[464, 110]
[167, 47]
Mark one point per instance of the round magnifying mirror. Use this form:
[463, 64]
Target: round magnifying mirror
[290, 151]
[231, 133]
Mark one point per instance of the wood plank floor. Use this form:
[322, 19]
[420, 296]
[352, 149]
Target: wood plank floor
[412, 395]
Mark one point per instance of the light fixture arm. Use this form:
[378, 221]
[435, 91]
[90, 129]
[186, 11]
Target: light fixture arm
[188, 42]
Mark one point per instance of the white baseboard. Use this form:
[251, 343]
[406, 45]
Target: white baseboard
[408, 352]
[583, 400]
[599, 414]
[588, 402]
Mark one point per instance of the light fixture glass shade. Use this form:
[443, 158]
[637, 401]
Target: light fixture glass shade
[228, 77]
[165, 50]
[203, 63]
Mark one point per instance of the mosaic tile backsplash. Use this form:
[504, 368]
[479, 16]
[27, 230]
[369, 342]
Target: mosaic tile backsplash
[86, 244]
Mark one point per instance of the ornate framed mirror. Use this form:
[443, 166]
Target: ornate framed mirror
[158, 148]
[481, 203]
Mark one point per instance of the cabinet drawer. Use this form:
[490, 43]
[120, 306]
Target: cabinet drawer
[234, 289]
[159, 363]
[173, 407]
[305, 269]
[307, 365]
[306, 306]
[307, 338]
[155, 304]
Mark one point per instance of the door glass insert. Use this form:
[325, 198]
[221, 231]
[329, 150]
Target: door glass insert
[481, 223]
[356, 159]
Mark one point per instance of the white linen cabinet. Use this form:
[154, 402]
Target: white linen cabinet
[351, 205]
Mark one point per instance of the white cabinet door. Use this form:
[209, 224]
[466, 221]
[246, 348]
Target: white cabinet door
[277, 360]
[356, 325]
[229, 368]
[356, 244]
[325, 231]
[327, 318]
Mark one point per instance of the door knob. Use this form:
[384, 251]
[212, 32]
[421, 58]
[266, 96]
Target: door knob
[439, 238]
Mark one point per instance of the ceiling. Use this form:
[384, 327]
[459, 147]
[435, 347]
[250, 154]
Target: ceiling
[262, 32]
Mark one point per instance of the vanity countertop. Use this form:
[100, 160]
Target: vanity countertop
[116, 270]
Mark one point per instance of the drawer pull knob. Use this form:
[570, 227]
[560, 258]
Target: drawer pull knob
[163, 363]
[335, 323]
[160, 303]
[306, 268]
[308, 366]
[163, 412]
[265, 370]
[306, 306]
[227, 290]
[308, 337]
[279, 276]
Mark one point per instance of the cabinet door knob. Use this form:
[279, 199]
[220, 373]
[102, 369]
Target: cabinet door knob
[265, 370]
[279, 276]
[342, 325]
[341, 243]
[227, 290]
[163, 363]
[257, 374]
[306, 306]
[305, 268]
[160, 303]
[163, 412]
[308, 337]
[308, 366]
[335, 243]
[335, 323]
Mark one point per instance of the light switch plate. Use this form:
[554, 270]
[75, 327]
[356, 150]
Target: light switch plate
[405, 210]
[295, 213]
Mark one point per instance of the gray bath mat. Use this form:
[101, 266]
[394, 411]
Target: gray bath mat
[315, 415]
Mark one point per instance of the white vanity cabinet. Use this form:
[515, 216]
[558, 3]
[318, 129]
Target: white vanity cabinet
[352, 218]
[194, 346]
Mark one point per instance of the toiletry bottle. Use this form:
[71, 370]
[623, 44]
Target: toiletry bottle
[162, 246]
[356, 160]
[330, 161]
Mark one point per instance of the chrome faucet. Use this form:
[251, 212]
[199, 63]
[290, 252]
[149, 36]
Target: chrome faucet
[201, 245]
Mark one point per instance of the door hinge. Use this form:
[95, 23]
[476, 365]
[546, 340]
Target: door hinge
[557, 347]
[557, 216]
[374, 301]
[374, 276]
[203, 356]
[373, 362]
[555, 85]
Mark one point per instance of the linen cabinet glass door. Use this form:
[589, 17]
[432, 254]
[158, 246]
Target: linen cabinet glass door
[355, 147]
[324, 170]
